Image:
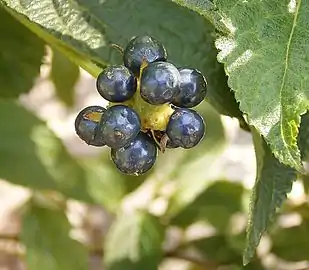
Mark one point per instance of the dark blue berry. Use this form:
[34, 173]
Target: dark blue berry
[159, 82]
[192, 88]
[137, 157]
[143, 48]
[116, 83]
[119, 126]
[170, 144]
[86, 125]
[185, 128]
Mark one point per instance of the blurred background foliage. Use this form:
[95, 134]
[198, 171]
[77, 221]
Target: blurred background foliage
[189, 212]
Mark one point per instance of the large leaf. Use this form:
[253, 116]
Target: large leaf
[207, 9]
[216, 205]
[21, 54]
[134, 242]
[273, 181]
[66, 27]
[266, 58]
[31, 155]
[64, 75]
[45, 233]
[83, 28]
[174, 29]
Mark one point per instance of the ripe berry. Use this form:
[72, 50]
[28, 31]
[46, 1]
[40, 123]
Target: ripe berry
[137, 157]
[159, 82]
[185, 128]
[116, 83]
[86, 125]
[192, 88]
[143, 48]
[119, 126]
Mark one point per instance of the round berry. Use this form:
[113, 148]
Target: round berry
[170, 144]
[137, 157]
[185, 128]
[143, 48]
[192, 88]
[116, 83]
[159, 82]
[119, 126]
[86, 125]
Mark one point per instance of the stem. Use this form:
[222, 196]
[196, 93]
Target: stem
[118, 48]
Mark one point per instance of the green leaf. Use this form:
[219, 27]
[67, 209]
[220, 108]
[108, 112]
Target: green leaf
[134, 242]
[266, 59]
[65, 26]
[215, 205]
[273, 181]
[174, 29]
[83, 29]
[207, 9]
[21, 53]
[64, 75]
[291, 244]
[31, 155]
[193, 171]
[45, 233]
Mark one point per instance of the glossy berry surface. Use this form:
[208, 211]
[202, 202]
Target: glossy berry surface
[86, 125]
[185, 128]
[192, 88]
[119, 126]
[116, 83]
[143, 48]
[137, 157]
[159, 82]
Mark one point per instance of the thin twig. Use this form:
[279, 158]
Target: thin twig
[117, 47]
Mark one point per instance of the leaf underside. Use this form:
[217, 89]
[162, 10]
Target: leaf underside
[19, 61]
[84, 31]
[266, 57]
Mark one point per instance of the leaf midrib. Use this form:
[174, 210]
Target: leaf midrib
[286, 66]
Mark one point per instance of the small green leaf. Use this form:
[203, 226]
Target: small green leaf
[134, 242]
[64, 75]
[21, 54]
[273, 182]
[291, 244]
[45, 233]
[31, 155]
[266, 58]
[215, 205]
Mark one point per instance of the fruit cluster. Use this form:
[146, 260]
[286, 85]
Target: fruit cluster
[150, 107]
